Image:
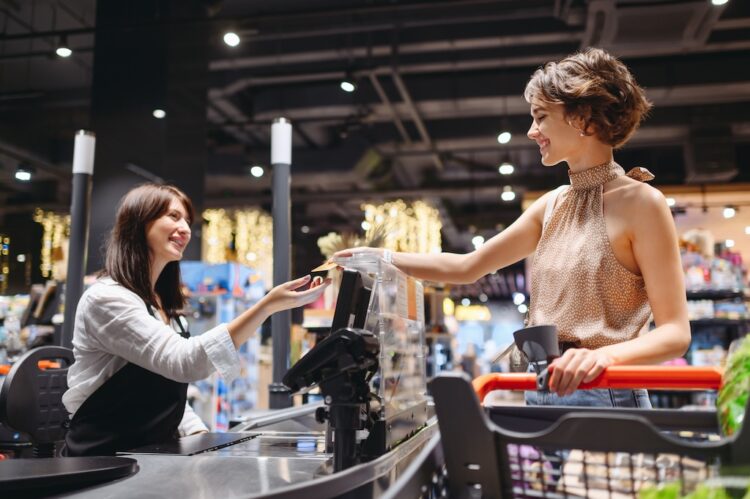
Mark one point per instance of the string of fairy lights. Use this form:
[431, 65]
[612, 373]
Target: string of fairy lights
[56, 230]
[243, 235]
[412, 227]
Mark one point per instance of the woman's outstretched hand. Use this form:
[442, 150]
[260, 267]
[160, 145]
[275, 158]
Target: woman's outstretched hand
[285, 296]
[577, 365]
[360, 249]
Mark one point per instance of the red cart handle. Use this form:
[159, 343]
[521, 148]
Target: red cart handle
[648, 377]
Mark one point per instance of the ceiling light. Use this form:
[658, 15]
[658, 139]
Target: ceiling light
[305, 229]
[465, 302]
[522, 308]
[518, 298]
[256, 171]
[729, 243]
[159, 113]
[719, 2]
[477, 241]
[671, 202]
[508, 194]
[21, 258]
[729, 212]
[506, 169]
[231, 38]
[62, 49]
[504, 137]
[23, 173]
[348, 85]
[483, 298]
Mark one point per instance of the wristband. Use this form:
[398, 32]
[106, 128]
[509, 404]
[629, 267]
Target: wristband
[388, 256]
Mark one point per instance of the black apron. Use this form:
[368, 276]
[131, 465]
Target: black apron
[134, 407]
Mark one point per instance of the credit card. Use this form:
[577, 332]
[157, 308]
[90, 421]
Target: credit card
[326, 266]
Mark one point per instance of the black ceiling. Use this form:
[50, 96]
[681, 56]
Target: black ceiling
[437, 81]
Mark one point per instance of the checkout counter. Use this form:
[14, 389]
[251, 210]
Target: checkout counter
[374, 421]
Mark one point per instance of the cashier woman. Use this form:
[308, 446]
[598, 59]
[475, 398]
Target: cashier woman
[133, 354]
[604, 252]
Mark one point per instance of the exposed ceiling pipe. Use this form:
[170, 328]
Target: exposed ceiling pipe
[443, 46]
[475, 65]
[421, 128]
[387, 103]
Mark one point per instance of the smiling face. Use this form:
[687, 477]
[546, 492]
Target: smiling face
[557, 137]
[168, 235]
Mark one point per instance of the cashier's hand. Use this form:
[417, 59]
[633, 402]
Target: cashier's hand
[575, 366]
[285, 296]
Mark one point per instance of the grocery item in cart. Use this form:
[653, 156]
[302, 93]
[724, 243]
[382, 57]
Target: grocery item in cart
[733, 394]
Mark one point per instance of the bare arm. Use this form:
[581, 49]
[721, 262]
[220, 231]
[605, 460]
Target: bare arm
[509, 246]
[656, 250]
[282, 297]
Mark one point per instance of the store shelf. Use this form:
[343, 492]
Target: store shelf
[715, 294]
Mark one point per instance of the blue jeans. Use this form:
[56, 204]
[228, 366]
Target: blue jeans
[592, 398]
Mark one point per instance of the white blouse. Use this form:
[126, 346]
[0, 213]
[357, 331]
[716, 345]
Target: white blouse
[113, 327]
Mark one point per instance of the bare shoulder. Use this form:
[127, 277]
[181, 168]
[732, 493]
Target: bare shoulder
[636, 196]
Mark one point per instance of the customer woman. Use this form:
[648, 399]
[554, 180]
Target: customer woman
[605, 250]
[133, 356]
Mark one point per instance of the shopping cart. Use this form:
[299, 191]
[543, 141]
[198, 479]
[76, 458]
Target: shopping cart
[576, 451]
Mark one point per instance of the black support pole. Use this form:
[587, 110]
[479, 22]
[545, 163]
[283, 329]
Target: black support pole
[281, 322]
[83, 170]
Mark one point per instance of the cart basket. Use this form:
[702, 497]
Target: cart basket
[603, 452]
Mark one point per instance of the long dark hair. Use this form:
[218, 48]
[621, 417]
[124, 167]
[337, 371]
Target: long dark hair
[127, 259]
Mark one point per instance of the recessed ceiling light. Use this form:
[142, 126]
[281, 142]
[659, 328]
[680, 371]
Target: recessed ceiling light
[504, 137]
[231, 38]
[348, 85]
[508, 194]
[256, 171]
[729, 243]
[506, 169]
[719, 2]
[159, 113]
[729, 212]
[23, 174]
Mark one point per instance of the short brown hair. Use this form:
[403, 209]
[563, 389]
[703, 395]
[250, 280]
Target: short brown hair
[127, 259]
[596, 87]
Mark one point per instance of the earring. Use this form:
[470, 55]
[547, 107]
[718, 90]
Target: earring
[583, 134]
